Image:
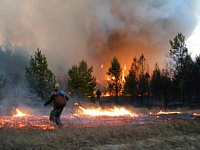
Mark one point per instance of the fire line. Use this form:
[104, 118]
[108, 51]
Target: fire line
[87, 118]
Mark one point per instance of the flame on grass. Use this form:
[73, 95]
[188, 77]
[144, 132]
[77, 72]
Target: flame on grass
[116, 111]
[166, 112]
[169, 112]
[19, 113]
[196, 114]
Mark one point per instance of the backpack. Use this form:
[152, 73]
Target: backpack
[60, 100]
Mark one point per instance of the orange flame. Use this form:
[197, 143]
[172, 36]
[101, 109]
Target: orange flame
[170, 112]
[109, 112]
[196, 114]
[19, 113]
[123, 74]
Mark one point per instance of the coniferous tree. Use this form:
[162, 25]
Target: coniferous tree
[183, 65]
[178, 51]
[81, 80]
[130, 86]
[40, 80]
[161, 85]
[156, 82]
[196, 78]
[131, 82]
[143, 80]
[114, 73]
[137, 81]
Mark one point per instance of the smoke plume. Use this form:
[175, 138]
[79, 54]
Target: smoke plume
[68, 31]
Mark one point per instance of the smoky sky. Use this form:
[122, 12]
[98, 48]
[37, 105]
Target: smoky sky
[68, 31]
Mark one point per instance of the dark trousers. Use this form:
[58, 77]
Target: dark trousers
[98, 98]
[55, 115]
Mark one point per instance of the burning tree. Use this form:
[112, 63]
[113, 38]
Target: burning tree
[137, 81]
[114, 80]
[40, 80]
[81, 81]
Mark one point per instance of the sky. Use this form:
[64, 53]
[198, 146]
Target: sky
[68, 31]
[193, 42]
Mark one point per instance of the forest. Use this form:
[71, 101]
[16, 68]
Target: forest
[177, 82]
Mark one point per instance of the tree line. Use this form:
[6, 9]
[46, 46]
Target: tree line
[178, 81]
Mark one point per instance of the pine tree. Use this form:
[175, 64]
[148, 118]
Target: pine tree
[137, 82]
[178, 51]
[196, 75]
[114, 73]
[183, 66]
[156, 83]
[40, 80]
[161, 85]
[81, 80]
[130, 86]
[143, 80]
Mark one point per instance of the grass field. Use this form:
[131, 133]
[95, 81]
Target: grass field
[183, 135]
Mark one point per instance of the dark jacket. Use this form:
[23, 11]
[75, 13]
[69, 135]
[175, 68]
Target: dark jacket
[98, 93]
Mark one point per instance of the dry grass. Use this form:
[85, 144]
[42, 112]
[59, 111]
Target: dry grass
[163, 135]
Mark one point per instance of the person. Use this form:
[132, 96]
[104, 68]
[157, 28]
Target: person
[98, 93]
[58, 108]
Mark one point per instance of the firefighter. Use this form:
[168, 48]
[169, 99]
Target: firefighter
[59, 99]
[98, 93]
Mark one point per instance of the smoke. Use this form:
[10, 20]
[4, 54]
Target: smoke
[68, 31]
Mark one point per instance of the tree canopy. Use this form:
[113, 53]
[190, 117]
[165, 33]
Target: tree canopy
[115, 76]
[40, 80]
[81, 80]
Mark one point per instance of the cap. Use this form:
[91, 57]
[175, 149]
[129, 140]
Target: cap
[57, 86]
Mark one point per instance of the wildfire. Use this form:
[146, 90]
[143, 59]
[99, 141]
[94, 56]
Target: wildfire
[20, 120]
[19, 113]
[109, 112]
[90, 117]
[123, 74]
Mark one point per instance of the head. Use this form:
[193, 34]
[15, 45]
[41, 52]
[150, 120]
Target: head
[57, 86]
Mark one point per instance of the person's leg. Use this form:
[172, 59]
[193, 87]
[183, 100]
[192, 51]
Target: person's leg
[52, 115]
[57, 116]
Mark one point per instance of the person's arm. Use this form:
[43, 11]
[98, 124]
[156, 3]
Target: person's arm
[49, 100]
[66, 97]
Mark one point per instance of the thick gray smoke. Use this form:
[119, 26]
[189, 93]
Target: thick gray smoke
[68, 31]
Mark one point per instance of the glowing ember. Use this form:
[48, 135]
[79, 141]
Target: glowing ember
[19, 113]
[110, 112]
